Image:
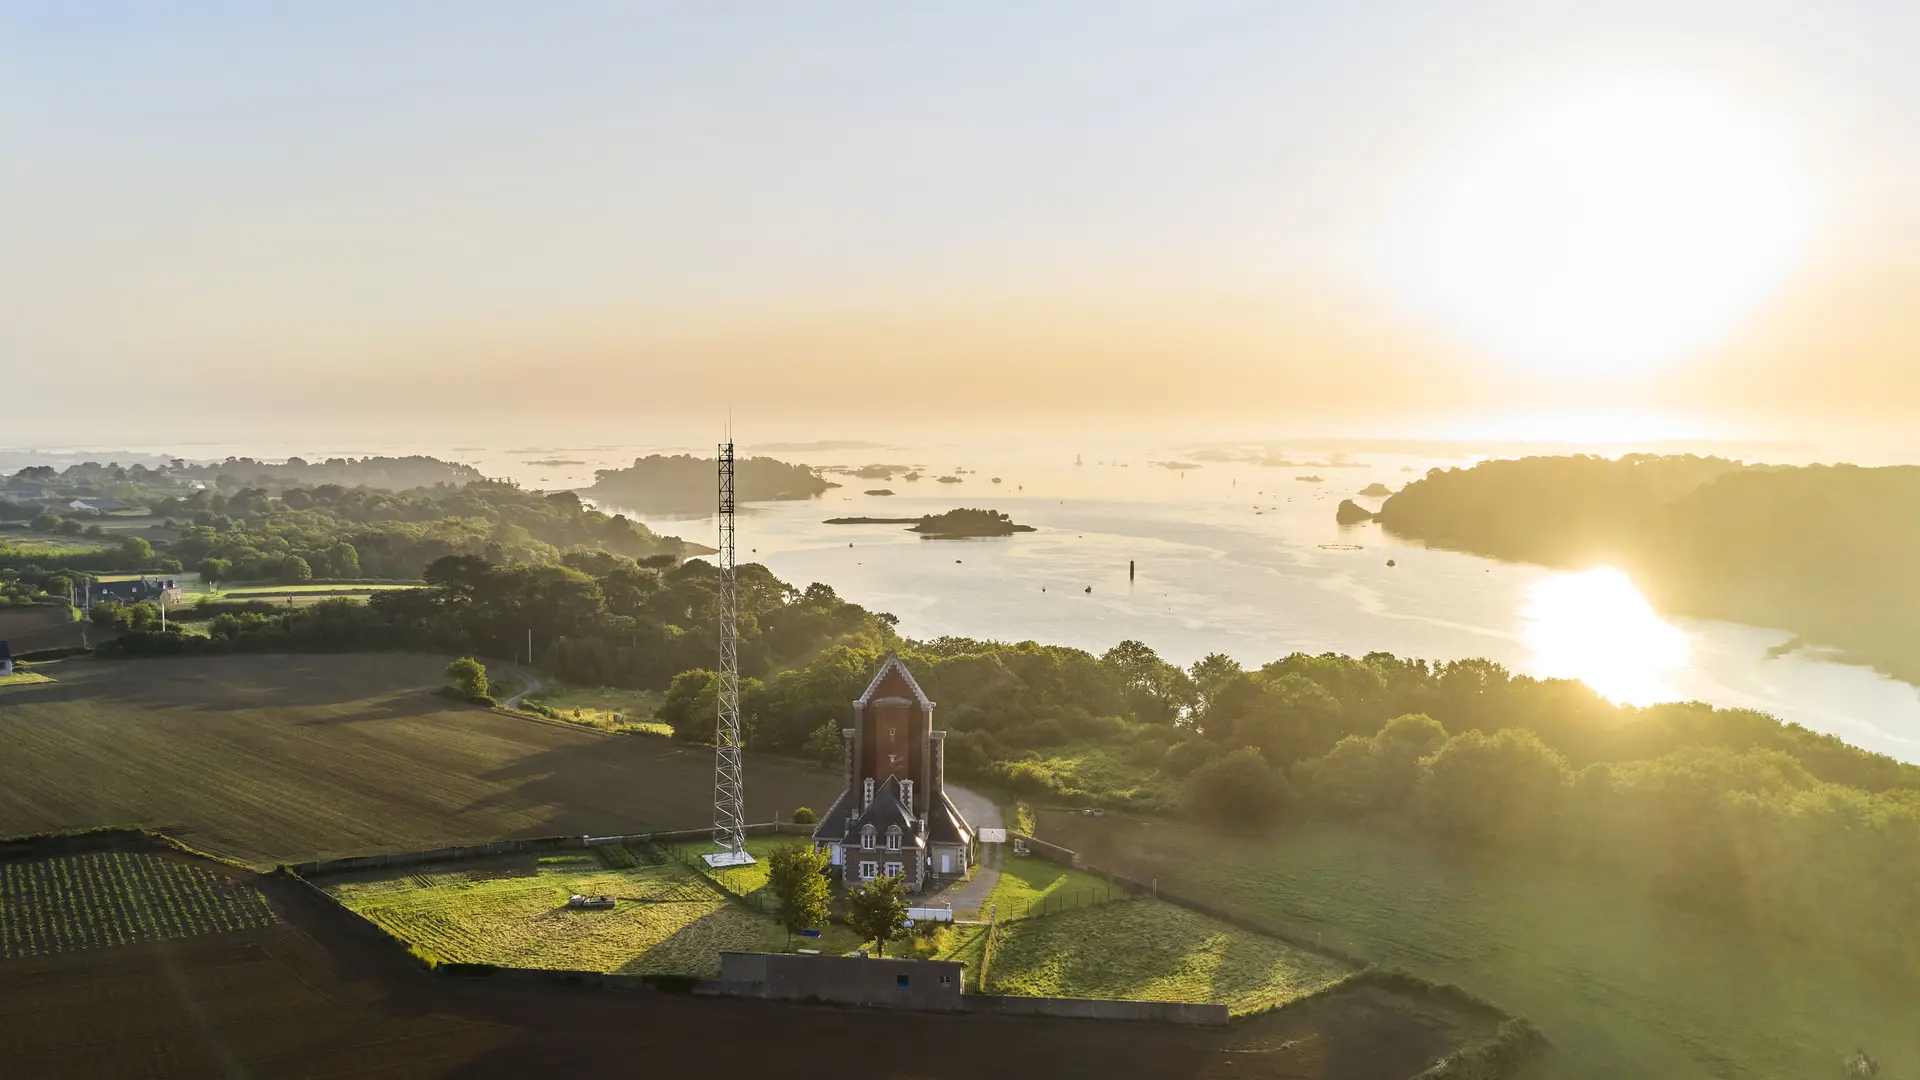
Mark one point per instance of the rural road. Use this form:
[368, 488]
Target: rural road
[981, 813]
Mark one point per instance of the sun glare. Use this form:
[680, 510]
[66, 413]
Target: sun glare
[1603, 229]
[1596, 627]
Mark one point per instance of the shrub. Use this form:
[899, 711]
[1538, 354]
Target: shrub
[466, 678]
[804, 816]
[1184, 757]
[1239, 790]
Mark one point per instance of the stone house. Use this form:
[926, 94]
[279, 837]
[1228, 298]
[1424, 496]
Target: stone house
[895, 817]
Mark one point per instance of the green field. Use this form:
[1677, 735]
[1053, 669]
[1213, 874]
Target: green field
[1622, 986]
[513, 912]
[101, 899]
[285, 758]
[1148, 950]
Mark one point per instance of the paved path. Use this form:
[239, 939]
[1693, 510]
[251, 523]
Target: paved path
[529, 684]
[981, 813]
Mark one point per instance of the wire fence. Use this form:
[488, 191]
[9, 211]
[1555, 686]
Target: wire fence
[1054, 903]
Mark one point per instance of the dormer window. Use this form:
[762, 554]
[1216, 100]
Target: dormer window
[866, 838]
[906, 795]
[866, 788]
[893, 838]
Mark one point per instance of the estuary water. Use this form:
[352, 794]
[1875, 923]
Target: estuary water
[1244, 557]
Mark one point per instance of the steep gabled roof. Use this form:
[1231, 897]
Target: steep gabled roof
[893, 662]
[833, 824]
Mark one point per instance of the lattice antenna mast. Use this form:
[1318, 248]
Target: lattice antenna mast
[729, 793]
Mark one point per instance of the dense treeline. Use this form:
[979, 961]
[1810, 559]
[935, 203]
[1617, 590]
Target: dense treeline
[595, 618]
[1824, 551]
[43, 486]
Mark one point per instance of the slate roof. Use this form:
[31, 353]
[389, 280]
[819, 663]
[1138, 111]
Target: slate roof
[946, 826]
[893, 663]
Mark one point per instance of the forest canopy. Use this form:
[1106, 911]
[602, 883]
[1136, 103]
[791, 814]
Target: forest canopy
[684, 481]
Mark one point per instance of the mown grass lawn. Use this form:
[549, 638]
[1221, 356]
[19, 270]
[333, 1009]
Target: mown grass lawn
[1622, 985]
[1032, 885]
[23, 678]
[1148, 950]
[513, 912]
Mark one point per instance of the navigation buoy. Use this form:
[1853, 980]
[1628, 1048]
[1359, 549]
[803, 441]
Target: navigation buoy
[1390, 562]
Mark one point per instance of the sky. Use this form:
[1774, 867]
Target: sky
[1360, 219]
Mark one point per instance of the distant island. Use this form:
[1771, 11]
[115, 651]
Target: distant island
[952, 525]
[1352, 513]
[552, 462]
[1308, 479]
[879, 491]
[1825, 551]
[685, 481]
[1376, 490]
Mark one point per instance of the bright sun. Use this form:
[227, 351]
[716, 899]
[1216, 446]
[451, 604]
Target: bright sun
[1606, 228]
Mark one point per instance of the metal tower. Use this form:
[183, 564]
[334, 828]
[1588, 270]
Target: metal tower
[729, 795]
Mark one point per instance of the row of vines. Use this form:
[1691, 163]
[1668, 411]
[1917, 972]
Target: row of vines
[101, 899]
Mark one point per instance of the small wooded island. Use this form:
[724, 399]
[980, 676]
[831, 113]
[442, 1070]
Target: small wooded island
[952, 525]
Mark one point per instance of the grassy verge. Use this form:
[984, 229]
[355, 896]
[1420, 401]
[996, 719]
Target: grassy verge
[608, 708]
[1622, 985]
[23, 678]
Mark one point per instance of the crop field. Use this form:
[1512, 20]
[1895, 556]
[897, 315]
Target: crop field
[513, 912]
[97, 899]
[1621, 985]
[325, 756]
[1149, 950]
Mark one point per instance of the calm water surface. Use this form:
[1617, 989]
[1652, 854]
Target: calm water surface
[1246, 559]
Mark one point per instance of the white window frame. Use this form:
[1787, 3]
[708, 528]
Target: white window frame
[869, 870]
[893, 838]
[866, 838]
[895, 869]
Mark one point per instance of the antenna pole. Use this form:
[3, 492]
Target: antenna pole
[729, 793]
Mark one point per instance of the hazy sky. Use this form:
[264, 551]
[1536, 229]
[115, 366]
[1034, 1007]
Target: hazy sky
[339, 217]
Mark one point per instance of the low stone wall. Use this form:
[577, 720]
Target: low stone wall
[1050, 852]
[532, 844]
[1159, 1012]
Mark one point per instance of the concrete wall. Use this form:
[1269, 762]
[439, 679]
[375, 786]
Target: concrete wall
[923, 985]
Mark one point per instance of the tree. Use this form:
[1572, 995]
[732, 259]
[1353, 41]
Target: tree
[467, 678]
[877, 910]
[1498, 789]
[344, 559]
[213, 571]
[1239, 790]
[294, 570]
[136, 551]
[804, 815]
[825, 743]
[797, 875]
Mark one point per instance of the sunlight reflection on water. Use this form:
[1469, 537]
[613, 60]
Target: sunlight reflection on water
[1594, 626]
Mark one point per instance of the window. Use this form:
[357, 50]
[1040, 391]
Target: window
[893, 838]
[869, 871]
[866, 838]
[893, 869]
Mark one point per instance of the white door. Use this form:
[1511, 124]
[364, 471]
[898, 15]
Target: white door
[837, 857]
[946, 862]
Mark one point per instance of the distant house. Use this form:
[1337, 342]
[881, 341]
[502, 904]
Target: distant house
[136, 591]
[6, 659]
[99, 504]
